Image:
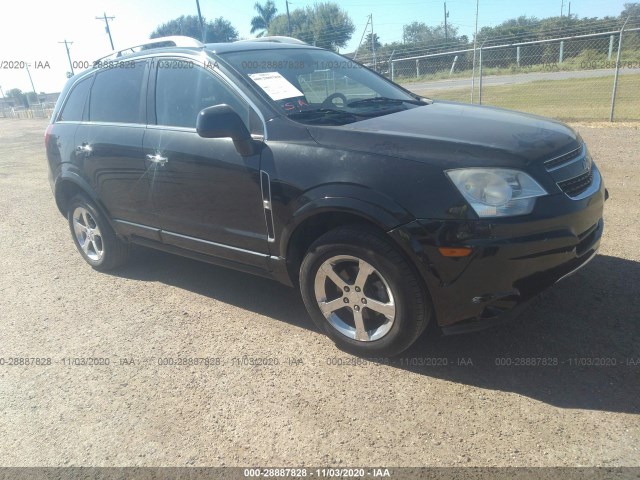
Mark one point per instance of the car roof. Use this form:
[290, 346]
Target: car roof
[190, 46]
[247, 45]
[180, 44]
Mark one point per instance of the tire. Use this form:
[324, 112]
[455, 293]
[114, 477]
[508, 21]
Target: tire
[387, 295]
[93, 236]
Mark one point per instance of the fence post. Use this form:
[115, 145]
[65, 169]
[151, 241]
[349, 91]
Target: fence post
[391, 64]
[561, 51]
[453, 65]
[518, 56]
[615, 78]
[393, 70]
[480, 80]
[610, 47]
[417, 68]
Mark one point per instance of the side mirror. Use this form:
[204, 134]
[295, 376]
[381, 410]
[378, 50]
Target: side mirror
[221, 121]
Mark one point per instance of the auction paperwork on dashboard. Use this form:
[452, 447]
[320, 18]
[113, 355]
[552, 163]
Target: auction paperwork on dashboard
[275, 85]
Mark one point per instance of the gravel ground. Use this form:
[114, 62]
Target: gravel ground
[304, 410]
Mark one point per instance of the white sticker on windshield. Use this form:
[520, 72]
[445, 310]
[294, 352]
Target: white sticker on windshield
[275, 85]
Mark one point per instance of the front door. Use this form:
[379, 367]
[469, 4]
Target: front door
[206, 196]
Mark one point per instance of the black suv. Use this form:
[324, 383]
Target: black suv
[273, 157]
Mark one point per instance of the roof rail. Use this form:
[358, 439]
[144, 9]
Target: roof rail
[276, 39]
[174, 40]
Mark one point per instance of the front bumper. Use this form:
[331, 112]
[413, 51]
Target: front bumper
[513, 259]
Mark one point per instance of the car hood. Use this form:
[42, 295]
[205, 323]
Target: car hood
[452, 134]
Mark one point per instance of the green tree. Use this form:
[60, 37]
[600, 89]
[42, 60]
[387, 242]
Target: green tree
[631, 10]
[14, 93]
[419, 32]
[218, 30]
[266, 14]
[368, 41]
[300, 26]
[325, 25]
[19, 97]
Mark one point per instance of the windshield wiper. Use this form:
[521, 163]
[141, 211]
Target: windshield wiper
[318, 111]
[325, 115]
[382, 101]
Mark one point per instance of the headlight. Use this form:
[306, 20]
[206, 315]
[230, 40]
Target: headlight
[497, 192]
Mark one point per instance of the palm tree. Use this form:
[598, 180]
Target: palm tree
[266, 13]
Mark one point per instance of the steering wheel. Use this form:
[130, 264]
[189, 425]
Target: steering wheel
[328, 102]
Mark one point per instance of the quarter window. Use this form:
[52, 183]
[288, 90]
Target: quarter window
[183, 89]
[117, 93]
[74, 106]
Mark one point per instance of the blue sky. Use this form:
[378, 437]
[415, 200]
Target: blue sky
[135, 19]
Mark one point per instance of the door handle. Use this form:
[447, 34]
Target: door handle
[160, 160]
[85, 148]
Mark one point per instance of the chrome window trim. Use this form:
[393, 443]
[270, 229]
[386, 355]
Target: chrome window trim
[255, 136]
[114, 124]
[197, 57]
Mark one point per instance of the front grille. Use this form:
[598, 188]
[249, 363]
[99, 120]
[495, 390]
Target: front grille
[575, 186]
[562, 159]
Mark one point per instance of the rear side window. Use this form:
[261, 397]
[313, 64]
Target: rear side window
[116, 95]
[74, 106]
[183, 89]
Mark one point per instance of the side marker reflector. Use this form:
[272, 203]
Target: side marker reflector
[454, 252]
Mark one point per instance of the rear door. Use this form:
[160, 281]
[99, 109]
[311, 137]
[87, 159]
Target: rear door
[207, 196]
[109, 145]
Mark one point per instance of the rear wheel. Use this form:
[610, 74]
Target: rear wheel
[362, 292]
[94, 238]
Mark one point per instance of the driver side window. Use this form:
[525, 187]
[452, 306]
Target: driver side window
[183, 89]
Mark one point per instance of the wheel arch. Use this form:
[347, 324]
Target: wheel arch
[68, 186]
[323, 214]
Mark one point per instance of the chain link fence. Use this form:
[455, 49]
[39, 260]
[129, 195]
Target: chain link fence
[593, 77]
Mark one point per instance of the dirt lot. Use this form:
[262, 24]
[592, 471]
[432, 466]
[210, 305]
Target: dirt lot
[308, 409]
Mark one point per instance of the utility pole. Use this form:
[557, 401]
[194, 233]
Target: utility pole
[475, 44]
[569, 11]
[66, 44]
[373, 43]
[362, 38]
[202, 33]
[107, 29]
[446, 14]
[561, 8]
[31, 80]
[288, 18]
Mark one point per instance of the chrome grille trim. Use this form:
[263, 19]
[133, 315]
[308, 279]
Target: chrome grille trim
[592, 188]
[566, 159]
[576, 185]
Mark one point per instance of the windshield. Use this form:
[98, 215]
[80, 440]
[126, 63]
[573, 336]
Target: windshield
[318, 86]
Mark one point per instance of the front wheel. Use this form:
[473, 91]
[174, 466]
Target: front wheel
[362, 293]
